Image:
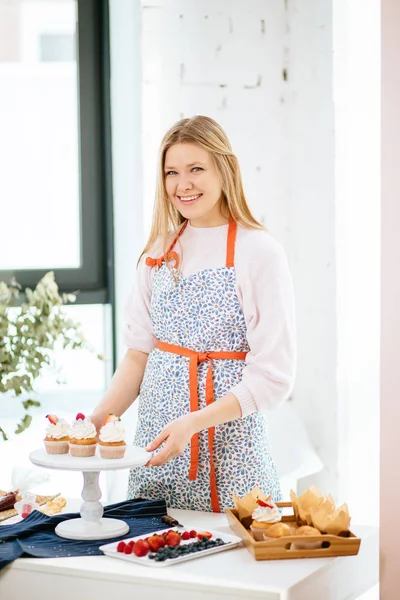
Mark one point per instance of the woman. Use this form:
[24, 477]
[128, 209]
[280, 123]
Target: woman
[210, 330]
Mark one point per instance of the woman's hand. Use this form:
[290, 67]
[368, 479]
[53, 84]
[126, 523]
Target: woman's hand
[176, 436]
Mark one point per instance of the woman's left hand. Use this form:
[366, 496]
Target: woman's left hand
[176, 436]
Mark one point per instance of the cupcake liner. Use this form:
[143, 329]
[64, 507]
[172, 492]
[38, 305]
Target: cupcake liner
[112, 451]
[82, 449]
[257, 533]
[56, 447]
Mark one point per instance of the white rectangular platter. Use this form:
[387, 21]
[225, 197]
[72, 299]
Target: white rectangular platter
[231, 541]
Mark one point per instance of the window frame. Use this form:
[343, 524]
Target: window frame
[94, 278]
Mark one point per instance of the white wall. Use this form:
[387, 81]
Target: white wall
[224, 60]
[357, 135]
[311, 222]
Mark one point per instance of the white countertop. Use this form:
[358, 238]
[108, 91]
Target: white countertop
[230, 575]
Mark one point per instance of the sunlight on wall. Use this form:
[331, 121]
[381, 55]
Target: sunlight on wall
[357, 100]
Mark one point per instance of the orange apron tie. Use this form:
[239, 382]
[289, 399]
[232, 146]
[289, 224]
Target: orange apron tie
[170, 253]
[196, 358]
[157, 262]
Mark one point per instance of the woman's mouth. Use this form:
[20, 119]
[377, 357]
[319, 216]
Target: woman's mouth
[189, 199]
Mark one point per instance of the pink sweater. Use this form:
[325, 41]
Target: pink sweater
[265, 292]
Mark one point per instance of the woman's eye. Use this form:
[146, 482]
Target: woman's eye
[170, 173]
[197, 169]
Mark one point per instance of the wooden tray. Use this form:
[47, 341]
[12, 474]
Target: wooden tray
[333, 545]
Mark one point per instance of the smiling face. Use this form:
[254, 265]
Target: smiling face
[193, 185]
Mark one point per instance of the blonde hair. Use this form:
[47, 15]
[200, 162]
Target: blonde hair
[208, 134]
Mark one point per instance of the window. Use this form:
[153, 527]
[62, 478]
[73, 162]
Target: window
[55, 188]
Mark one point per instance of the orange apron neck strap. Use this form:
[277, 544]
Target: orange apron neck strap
[230, 244]
[178, 235]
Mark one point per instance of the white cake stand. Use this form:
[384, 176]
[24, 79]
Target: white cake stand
[91, 525]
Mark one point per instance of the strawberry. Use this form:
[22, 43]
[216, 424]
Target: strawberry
[173, 538]
[204, 534]
[80, 416]
[131, 543]
[26, 508]
[140, 548]
[264, 504]
[127, 549]
[52, 418]
[121, 546]
[193, 533]
[185, 535]
[156, 542]
[111, 418]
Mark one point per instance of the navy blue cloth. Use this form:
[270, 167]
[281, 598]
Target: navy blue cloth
[35, 537]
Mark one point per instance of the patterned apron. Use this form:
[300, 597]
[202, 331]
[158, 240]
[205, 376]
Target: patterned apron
[201, 333]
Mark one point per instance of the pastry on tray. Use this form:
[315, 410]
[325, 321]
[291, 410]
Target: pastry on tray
[57, 438]
[246, 505]
[82, 437]
[278, 530]
[111, 438]
[7, 500]
[265, 515]
[311, 508]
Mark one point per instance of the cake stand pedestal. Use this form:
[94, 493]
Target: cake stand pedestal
[91, 525]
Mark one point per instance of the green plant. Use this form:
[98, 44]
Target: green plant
[28, 335]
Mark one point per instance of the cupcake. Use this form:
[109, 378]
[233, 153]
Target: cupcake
[82, 437]
[264, 516]
[111, 438]
[56, 440]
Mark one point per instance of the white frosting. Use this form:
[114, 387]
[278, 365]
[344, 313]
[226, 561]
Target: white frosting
[83, 429]
[264, 514]
[112, 432]
[58, 430]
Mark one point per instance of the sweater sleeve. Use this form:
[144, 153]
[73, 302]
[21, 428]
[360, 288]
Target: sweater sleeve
[137, 329]
[266, 294]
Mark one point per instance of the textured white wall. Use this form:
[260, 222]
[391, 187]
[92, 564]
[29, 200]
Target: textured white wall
[263, 70]
[224, 60]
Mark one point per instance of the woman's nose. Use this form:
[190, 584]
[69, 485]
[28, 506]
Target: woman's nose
[184, 184]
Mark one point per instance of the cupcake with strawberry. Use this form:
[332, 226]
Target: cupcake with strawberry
[82, 437]
[111, 438]
[57, 438]
[264, 516]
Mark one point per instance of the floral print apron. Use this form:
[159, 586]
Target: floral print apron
[199, 357]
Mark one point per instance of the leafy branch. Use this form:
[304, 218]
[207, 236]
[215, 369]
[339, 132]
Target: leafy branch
[29, 334]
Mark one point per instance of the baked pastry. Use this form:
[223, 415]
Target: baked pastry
[8, 500]
[307, 530]
[57, 438]
[111, 438]
[264, 516]
[278, 530]
[82, 437]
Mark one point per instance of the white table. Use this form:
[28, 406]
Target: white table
[229, 575]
